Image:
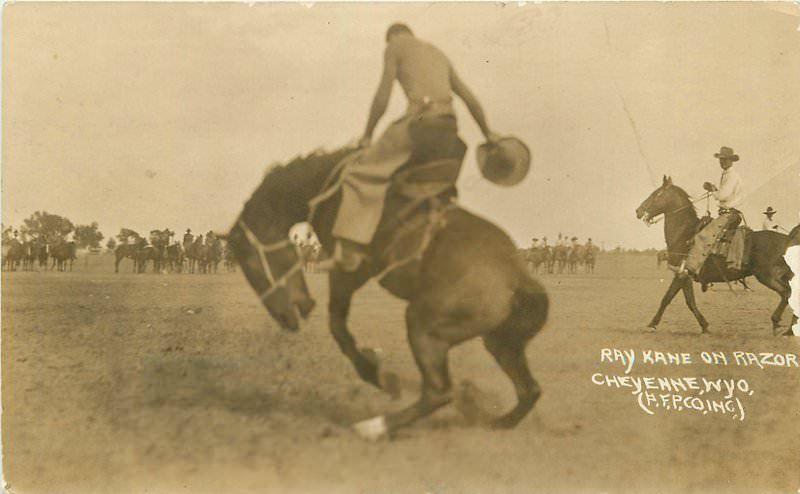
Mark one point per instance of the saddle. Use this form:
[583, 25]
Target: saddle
[419, 196]
[733, 247]
[729, 258]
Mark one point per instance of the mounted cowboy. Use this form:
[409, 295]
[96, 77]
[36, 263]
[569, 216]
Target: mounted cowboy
[729, 195]
[188, 238]
[428, 80]
[769, 223]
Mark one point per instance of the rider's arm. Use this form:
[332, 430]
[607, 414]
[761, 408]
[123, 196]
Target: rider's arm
[470, 100]
[381, 99]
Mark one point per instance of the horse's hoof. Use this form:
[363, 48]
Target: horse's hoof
[372, 429]
[781, 331]
[650, 329]
[390, 383]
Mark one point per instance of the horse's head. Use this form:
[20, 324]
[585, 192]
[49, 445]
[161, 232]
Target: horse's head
[273, 267]
[661, 201]
[260, 239]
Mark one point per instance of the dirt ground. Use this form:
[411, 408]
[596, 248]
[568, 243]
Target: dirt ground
[180, 383]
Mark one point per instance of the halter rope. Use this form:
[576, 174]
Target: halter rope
[263, 249]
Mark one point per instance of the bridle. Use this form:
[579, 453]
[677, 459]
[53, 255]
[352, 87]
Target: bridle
[263, 250]
[653, 220]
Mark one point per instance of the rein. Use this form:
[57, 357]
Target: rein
[263, 249]
[664, 215]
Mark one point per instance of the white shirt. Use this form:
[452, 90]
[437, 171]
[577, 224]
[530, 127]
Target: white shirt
[731, 192]
[770, 225]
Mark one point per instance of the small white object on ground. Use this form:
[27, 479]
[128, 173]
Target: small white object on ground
[371, 429]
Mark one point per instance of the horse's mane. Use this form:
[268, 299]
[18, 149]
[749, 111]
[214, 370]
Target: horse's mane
[285, 187]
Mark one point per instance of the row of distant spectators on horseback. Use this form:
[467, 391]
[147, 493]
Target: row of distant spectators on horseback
[566, 255]
[21, 250]
[191, 254]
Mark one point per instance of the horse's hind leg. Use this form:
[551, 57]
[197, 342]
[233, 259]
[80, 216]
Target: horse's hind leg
[508, 348]
[775, 281]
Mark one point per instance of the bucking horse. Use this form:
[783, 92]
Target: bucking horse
[460, 274]
[765, 260]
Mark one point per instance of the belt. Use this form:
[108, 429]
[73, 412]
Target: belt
[426, 105]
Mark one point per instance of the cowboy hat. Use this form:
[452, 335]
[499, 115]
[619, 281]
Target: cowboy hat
[769, 211]
[504, 162]
[726, 153]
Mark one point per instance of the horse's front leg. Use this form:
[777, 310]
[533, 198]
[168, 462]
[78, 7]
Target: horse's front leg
[430, 353]
[343, 286]
[673, 289]
[688, 295]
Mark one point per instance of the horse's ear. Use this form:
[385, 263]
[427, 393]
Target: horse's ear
[669, 180]
[665, 180]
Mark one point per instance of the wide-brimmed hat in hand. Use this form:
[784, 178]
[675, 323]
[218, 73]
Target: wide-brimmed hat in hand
[505, 161]
[769, 211]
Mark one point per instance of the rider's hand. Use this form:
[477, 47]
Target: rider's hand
[492, 137]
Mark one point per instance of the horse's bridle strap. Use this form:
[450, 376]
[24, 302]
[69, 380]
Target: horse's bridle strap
[263, 249]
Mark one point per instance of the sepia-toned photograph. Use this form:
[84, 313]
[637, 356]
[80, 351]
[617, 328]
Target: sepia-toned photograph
[378, 247]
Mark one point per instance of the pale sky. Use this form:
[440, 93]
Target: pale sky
[166, 115]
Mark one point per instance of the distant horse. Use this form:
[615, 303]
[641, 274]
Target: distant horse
[63, 254]
[680, 223]
[536, 257]
[30, 252]
[229, 259]
[549, 259]
[560, 257]
[126, 251]
[196, 254]
[13, 253]
[467, 259]
[146, 254]
[201, 256]
[43, 254]
[174, 258]
[575, 257]
[214, 255]
[590, 258]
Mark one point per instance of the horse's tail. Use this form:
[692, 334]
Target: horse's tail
[531, 306]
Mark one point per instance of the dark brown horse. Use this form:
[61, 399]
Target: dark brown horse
[560, 257]
[680, 224]
[13, 253]
[63, 254]
[145, 254]
[470, 281]
[127, 251]
[174, 258]
[590, 258]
